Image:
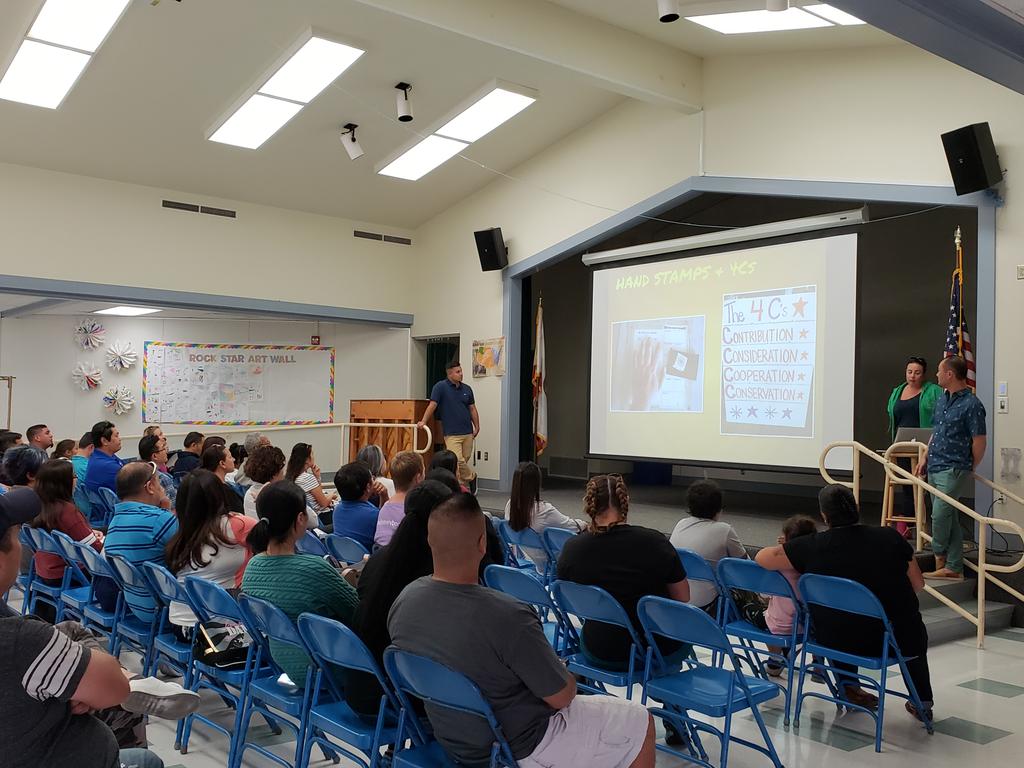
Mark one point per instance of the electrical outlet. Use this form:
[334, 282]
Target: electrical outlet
[486, 456]
[1020, 271]
[478, 455]
[1000, 499]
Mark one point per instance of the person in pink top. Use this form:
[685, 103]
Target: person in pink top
[406, 472]
[780, 612]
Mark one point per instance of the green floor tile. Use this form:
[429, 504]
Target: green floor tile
[995, 687]
[966, 730]
[815, 728]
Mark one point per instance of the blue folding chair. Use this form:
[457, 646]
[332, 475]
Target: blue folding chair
[26, 581]
[521, 542]
[333, 724]
[311, 544]
[101, 503]
[345, 549]
[515, 557]
[73, 579]
[522, 586]
[75, 598]
[589, 603]
[699, 569]
[94, 616]
[710, 689]
[287, 704]
[736, 573]
[211, 601]
[855, 599]
[438, 685]
[554, 540]
[167, 648]
[137, 634]
[81, 498]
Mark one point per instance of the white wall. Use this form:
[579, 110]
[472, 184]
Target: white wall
[58, 225]
[372, 362]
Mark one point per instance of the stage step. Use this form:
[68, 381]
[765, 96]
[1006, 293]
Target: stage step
[945, 625]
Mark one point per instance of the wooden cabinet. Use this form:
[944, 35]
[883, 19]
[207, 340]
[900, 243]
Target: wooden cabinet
[391, 441]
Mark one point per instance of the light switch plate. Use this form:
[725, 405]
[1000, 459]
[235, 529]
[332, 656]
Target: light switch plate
[1020, 271]
[1003, 404]
[1001, 389]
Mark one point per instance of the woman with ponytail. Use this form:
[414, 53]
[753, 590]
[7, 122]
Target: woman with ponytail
[294, 583]
[881, 560]
[627, 561]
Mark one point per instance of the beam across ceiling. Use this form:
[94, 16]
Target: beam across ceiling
[970, 33]
[31, 308]
[615, 59]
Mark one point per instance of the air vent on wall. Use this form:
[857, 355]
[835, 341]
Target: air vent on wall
[195, 208]
[382, 238]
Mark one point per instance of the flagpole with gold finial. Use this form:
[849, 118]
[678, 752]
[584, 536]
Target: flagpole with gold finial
[960, 271]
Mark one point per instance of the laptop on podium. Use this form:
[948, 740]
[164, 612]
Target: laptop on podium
[913, 435]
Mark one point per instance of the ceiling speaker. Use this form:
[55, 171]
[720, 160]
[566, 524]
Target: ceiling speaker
[490, 246]
[972, 158]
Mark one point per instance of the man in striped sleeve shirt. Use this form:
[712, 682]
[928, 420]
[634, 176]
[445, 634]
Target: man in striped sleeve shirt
[49, 683]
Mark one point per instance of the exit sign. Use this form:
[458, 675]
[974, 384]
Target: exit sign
[314, 340]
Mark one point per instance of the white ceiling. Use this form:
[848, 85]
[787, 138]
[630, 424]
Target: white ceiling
[13, 301]
[167, 73]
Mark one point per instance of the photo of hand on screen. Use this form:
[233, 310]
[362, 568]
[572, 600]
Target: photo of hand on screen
[656, 365]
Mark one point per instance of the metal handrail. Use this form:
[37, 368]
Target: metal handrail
[896, 475]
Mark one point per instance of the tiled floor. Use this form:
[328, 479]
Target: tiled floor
[979, 711]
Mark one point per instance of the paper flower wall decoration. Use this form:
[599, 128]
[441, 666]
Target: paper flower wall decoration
[118, 399]
[86, 376]
[89, 334]
[121, 355]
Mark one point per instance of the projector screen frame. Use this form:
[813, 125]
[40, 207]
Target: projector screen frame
[803, 236]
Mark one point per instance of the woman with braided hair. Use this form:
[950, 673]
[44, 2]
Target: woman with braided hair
[881, 560]
[627, 561]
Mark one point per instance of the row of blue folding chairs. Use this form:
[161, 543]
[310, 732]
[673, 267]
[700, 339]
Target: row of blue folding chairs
[712, 690]
[315, 711]
[550, 542]
[339, 550]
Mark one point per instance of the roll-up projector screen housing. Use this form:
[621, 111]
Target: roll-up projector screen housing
[727, 236]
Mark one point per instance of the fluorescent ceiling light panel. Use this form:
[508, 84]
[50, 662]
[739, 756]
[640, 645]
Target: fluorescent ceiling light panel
[313, 67]
[487, 114]
[80, 24]
[417, 162]
[127, 311]
[42, 74]
[833, 14]
[759, 21]
[255, 121]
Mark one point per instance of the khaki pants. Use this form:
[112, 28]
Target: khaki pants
[462, 446]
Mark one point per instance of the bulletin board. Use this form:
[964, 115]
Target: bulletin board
[237, 384]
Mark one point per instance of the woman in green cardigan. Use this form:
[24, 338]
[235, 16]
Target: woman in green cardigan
[911, 404]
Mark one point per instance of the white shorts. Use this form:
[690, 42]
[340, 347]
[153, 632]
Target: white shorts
[593, 731]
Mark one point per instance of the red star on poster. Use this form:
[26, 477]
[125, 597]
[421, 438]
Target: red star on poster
[798, 306]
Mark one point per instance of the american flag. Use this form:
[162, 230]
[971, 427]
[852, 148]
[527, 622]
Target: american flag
[958, 340]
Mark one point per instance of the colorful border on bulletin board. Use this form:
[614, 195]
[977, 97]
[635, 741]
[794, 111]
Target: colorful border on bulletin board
[279, 347]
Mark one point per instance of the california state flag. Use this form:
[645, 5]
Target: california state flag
[540, 399]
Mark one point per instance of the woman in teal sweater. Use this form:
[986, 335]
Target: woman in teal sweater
[912, 404]
[294, 583]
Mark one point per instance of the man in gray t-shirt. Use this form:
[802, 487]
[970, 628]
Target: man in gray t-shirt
[497, 642]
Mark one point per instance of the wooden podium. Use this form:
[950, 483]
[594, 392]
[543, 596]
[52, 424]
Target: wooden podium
[391, 441]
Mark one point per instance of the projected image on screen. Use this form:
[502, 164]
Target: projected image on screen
[769, 340]
[743, 356]
[657, 365]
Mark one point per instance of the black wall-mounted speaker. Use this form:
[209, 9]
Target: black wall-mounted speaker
[972, 158]
[490, 245]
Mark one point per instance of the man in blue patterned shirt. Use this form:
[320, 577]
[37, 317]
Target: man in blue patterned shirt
[956, 447]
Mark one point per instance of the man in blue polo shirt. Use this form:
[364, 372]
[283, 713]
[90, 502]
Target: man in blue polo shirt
[141, 527]
[103, 466]
[956, 447]
[456, 408]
